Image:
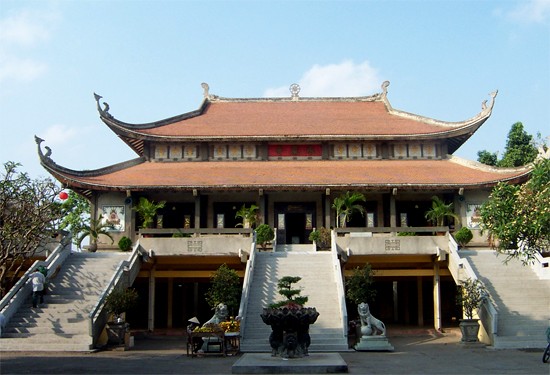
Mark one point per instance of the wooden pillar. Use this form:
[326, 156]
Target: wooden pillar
[327, 210]
[437, 298]
[151, 307]
[197, 210]
[393, 212]
[420, 298]
[262, 210]
[170, 302]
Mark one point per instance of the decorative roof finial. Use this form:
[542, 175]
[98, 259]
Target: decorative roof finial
[104, 111]
[294, 90]
[485, 107]
[206, 89]
[385, 85]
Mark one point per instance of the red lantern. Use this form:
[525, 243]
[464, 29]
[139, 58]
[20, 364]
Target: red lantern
[63, 195]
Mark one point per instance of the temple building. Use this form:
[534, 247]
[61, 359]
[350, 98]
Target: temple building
[291, 157]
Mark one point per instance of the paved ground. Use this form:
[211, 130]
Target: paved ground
[416, 354]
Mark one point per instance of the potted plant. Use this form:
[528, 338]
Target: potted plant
[125, 244]
[249, 215]
[440, 211]
[118, 302]
[225, 288]
[346, 205]
[321, 238]
[463, 236]
[147, 209]
[471, 295]
[93, 229]
[264, 235]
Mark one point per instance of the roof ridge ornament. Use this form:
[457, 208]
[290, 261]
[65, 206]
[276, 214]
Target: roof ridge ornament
[294, 91]
[105, 111]
[206, 92]
[489, 108]
[385, 85]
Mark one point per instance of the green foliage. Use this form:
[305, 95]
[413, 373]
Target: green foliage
[225, 287]
[292, 295]
[440, 211]
[29, 218]
[76, 211]
[471, 294]
[518, 216]
[405, 234]
[486, 157]
[93, 229]
[359, 286]
[125, 244]
[321, 237]
[121, 300]
[147, 209]
[463, 236]
[264, 234]
[249, 215]
[346, 205]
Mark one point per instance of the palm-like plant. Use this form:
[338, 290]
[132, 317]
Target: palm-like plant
[248, 214]
[93, 229]
[439, 211]
[346, 205]
[147, 210]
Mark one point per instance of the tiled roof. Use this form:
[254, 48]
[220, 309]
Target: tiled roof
[295, 175]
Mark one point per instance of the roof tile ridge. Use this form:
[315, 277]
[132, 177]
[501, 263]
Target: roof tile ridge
[525, 169]
[370, 98]
[486, 111]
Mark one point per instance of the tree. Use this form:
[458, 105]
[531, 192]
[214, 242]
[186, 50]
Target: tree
[293, 297]
[440, 211]
[76, 215]
[518, 216]
[29, 219]
[346, 205]
[264, 234]
[225, 287]
[93, 229]
[359, 287]
[521, 149]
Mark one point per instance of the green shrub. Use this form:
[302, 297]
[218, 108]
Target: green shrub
[321, 237]
[406, 234]
[264, 234]
[125, 244]
[463, 236]
[120, 301]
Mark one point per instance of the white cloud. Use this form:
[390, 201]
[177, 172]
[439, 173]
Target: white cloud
[537, 11]
[344, 79]
[20, 32]
[60, 135]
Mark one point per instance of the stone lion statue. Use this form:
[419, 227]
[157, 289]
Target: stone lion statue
[220, 315]
[370, 326]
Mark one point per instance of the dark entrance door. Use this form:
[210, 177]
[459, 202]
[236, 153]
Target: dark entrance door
[294, 222]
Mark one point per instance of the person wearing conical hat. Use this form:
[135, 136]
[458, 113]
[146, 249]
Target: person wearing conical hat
[195, 341]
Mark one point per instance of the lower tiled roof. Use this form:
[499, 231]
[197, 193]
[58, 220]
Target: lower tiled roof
[368, 174]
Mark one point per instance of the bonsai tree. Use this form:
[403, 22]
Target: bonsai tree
[471, 294]
[346, 205]
[147, 210]
[120, 301]
[264, 234]
[440, 211]
[293, 298]
[93, 229]
[249, 215]
[125, 244]
[321, 237]
[225, 287]
[359, 286]
[463, 236]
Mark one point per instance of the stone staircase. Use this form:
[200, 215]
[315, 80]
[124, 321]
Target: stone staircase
[522, 300]
[62, 323]
[318, 283]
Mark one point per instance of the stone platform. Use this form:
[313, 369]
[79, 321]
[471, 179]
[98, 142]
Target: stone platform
[315, 363]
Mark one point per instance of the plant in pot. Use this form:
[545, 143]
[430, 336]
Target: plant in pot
[463, 236]
[124, 244]
[118, 302]
[440, 211]
[249, 215]
[147, 209]
[264, 235]
[471, 295]
[359, 289]
[226, 288]
[93, 229]
[346, 205]
[321, 237]
[289, 321]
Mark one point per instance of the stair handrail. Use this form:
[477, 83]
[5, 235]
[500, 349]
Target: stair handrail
[541, 266]
[462, 270]
[339, 282]
[124, 276]
[247, 283]
[19, 293]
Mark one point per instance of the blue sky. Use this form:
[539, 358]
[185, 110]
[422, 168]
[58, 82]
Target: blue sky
[149, 58]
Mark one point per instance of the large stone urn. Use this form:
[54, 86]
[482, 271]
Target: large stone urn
[290, 329]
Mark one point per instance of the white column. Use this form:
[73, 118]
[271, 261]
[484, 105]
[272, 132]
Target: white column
[151, 312]
[437, 298]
